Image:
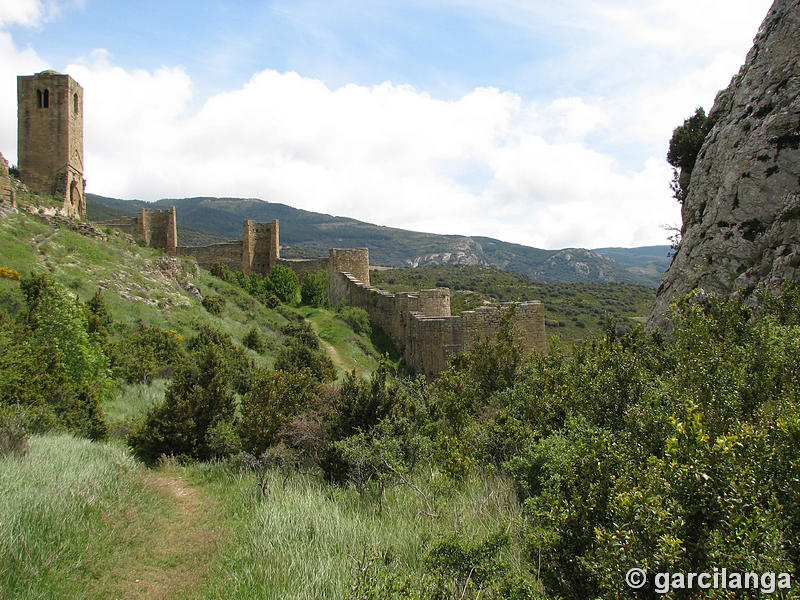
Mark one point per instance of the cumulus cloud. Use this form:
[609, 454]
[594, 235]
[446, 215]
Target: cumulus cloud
[544, 171]
[487, 163]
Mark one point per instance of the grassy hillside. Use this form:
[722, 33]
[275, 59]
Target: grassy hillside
[144, 286]
[572, 310]
[398, 247]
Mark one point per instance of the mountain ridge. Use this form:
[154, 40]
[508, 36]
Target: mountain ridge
[304, 230]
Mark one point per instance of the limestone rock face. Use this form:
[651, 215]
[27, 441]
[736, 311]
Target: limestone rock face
[741, 217]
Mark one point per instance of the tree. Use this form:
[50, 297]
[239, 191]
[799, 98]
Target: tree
[312, 292]
[284, 282]
[687, 139]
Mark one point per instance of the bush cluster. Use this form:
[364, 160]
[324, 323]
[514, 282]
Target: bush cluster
[54, 369]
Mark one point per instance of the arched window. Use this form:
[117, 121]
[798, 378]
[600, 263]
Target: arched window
[75, 103]
[46, 99]
[39, 98]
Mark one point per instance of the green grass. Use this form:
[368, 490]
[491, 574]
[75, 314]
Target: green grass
[81, 519]
[71, 512]
[348, 349]
[131, 402]
[305, 538]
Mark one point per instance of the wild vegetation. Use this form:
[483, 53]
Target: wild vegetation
[259, 453]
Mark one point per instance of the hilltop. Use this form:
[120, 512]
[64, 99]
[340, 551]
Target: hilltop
[307, 233]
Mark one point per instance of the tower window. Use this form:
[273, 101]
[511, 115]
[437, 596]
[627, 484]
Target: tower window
[75, 103]
[39, 98]
[44, 99]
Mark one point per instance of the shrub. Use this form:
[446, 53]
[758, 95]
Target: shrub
[13, 434]
[273, 400]
[52, 367]
[255, 341]
[141, 356]
[187, 422]
[313, 290]
[301, 350]
[284, 283]
[214, 304]
[356, 318]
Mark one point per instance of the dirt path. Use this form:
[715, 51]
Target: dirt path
[173, 559]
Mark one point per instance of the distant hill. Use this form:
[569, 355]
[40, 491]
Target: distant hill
[312, 232]
[99, 208]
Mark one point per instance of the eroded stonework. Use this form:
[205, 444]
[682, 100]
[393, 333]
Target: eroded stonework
[50, 138]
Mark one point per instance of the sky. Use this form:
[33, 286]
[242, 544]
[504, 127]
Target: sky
[540, 122]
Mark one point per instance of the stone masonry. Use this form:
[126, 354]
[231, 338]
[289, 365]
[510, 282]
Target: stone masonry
[6, 192]
[419, 323]
[154, 228]
[50, 138]
[422, 328]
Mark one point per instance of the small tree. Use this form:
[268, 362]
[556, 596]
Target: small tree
[284, 283]
[687, 139]
[312, 292]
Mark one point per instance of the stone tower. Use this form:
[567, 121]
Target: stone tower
[50, 138]
[260, 246]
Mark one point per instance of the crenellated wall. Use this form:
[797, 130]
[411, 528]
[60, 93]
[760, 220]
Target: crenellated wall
[420, 324]
[155, 228]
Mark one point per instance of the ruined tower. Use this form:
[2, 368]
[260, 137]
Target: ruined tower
[50, 138]
[260, 246]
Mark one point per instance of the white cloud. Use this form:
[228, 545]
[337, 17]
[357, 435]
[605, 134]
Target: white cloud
[485, 164]
[542, 172]
[13, 61]
[32, 13]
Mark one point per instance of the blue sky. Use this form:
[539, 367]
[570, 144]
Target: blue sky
[538, 122]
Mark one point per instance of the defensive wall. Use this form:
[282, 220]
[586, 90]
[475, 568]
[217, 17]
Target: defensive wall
[154, 228]
[418, 323]
[422, 328]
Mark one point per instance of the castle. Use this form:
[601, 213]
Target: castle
[50, 139]
[418, 323]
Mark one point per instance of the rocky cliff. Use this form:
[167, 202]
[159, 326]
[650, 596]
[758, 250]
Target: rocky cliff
[741, 217]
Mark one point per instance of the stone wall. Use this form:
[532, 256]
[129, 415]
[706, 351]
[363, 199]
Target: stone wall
[155, 228]
[303, 266]
[50, 138]
[420, 324]
[260, 246]
[6, 192]
[227, 253]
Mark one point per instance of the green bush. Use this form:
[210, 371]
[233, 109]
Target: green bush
[273, 400]
[214, 304]
[255, 341]
[301, 351]
[284, 283]
[188, 421]
[146, 353]
[356, 318]
[314, 288]
[52, 367]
